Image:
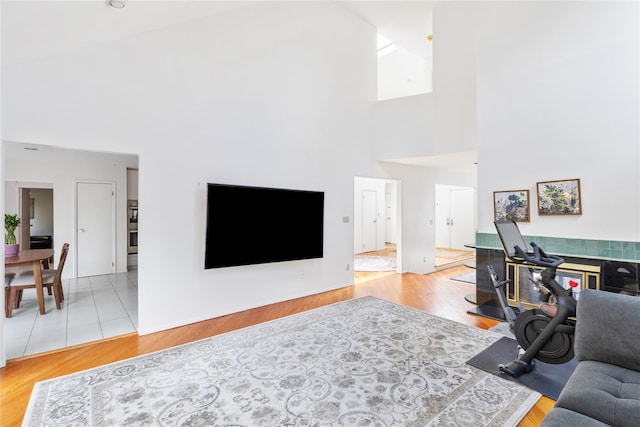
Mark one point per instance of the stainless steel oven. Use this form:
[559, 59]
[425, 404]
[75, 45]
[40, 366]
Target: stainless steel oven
[132, 243]
[132, 226]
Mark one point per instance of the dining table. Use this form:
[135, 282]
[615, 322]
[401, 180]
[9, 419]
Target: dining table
[37, 258]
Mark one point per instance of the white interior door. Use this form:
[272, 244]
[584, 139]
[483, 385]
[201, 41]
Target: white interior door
[390, 220]
[369, 220]
[462, 218]
[95, 213]
[455, 217]
[442, 218]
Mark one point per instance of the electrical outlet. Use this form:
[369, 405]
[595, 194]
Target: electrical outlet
[348, 267]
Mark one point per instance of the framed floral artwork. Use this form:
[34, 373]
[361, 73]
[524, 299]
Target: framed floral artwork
[559, 197]
[511, 205]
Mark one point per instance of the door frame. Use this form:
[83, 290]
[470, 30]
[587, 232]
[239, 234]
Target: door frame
[19, 187]
[113, 221]
[440, 189]
[358, 181]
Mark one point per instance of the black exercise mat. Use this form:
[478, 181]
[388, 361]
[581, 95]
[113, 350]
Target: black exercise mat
[545, 378]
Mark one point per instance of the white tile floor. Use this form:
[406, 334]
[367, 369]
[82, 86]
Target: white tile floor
[94, 308]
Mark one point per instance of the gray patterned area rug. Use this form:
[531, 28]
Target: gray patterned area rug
[363, 362]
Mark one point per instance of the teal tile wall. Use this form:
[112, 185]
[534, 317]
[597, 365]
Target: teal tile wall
[608, 249]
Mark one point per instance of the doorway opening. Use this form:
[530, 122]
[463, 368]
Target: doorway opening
[33, 202]
[99, 306]
[455, 225]
[376, 228]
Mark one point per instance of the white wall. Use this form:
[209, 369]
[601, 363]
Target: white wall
[263, 95]
[402, 73]
[558, 98]
[403, 127]
[42, 222]
[454, 74]
[417, 214]
[61, 169]
[132, 184]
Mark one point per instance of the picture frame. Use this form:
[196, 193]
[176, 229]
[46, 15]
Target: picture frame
[511, 205]
[560, 197]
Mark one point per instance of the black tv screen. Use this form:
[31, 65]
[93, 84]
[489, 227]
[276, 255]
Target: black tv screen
[257, 225]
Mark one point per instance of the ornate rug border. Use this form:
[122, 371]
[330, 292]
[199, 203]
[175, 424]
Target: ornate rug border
[39, 392]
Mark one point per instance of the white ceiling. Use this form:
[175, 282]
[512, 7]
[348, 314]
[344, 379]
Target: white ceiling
[405, 23]
[33, 29]
[463, 162]
[18, 151]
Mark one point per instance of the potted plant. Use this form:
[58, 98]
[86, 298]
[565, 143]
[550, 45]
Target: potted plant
[11, 247]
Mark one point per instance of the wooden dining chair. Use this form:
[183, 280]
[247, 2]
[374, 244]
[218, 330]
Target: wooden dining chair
[8, 277]
[51, 279]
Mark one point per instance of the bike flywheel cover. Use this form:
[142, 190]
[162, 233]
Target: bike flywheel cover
[528, 326]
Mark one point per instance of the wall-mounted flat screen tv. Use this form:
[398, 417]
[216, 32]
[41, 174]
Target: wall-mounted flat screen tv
[257, 225]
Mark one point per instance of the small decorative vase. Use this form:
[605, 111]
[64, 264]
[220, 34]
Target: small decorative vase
[11, 250]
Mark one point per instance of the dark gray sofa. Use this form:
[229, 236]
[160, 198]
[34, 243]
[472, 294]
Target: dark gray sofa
[604, 389]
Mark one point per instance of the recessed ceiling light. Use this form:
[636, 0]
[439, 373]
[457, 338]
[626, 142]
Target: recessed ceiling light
[118, 4]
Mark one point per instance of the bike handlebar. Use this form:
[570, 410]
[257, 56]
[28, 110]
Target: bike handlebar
[539, 257]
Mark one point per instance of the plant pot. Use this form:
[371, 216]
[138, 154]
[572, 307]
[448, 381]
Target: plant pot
[11, 250]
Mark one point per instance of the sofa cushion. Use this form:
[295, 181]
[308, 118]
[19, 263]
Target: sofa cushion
[560, 417]
[606, 330]
[607, 393]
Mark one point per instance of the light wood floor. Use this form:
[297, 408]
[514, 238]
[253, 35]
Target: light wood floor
[433, 293]
[447, 258]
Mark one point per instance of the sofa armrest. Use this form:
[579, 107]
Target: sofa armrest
[608, 328]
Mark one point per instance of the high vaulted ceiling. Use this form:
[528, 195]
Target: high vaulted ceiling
[36, 29]
[33, 29]
[405, 23]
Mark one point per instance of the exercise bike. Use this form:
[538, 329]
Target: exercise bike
[545, 333]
